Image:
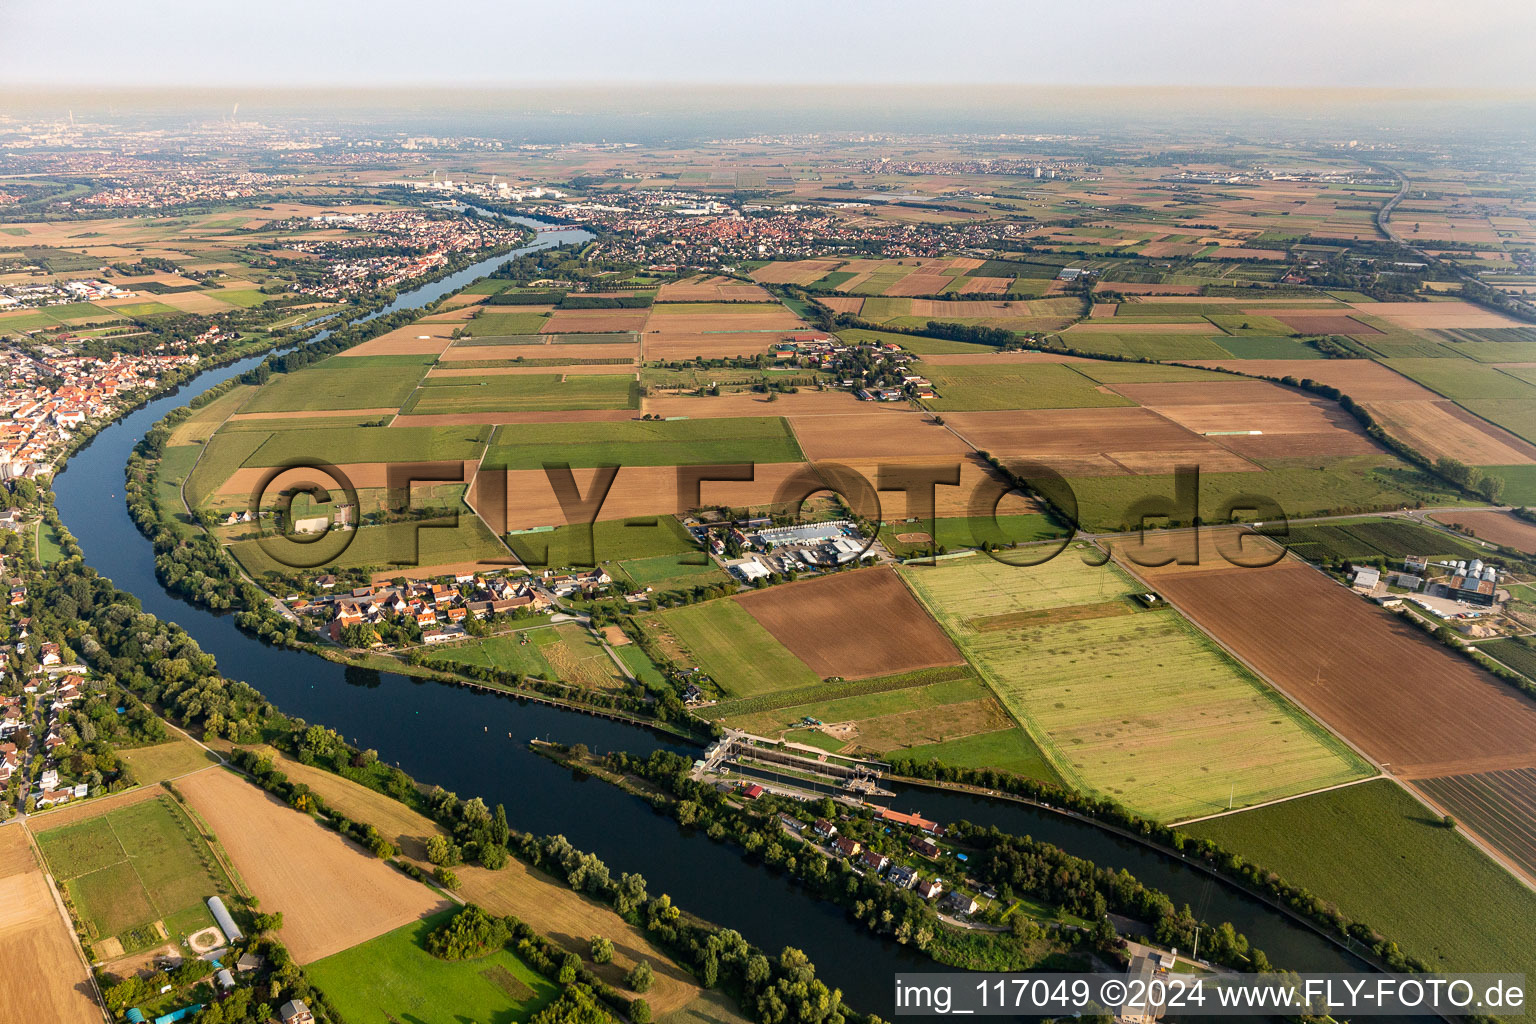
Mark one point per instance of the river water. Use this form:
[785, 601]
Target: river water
[475, 743]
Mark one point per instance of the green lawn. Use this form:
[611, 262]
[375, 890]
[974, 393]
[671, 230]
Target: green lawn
[522, 392]
[1129, 703]
[666, 572]
[740, 655]
[48, 541]
[1382, 858]
[506, 652]
[641, 665]
[1014, 386]
[756, 439]
[134, 866]
[1009, 750]
[497, 324]
[394, 977]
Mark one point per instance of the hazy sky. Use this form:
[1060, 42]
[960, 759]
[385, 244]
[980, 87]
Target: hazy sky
[1391, 43]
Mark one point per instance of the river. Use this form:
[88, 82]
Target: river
[430, 730]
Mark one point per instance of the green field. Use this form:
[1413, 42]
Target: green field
[1129, 703]
[1302, 487]
[1383, 859]
[1519, 483]
[641, 665]
[666, 572]
[341, 383]
[1519, 655]
[393, 977]
[518, 393]
[48, 541]
[1268, 348]
[343, 445]
[1462, 380]
[224, 453]
[756, 439]
[1374, 538]
[1009, 750]
[912, 343]
[383, 548]
[661, 540]
[132, 867]
[969, 531]
[505, 652]
[1145, 373]
[740, 655]
[496, 324]
[1014, 386]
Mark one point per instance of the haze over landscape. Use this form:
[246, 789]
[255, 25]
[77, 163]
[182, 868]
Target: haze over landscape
[900, 490]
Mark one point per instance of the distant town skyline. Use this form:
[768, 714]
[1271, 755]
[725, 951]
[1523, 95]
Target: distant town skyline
[288, 43]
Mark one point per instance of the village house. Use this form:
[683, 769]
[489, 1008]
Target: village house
[848, 847]
[824, 828]
[901, 876]
[874, 862]
[924, 846]
[930, 889]
[958, 904]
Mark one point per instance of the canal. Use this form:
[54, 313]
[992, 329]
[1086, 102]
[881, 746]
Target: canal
[475, 743]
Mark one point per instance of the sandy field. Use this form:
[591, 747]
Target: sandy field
[680, 346]
[1442, 427]
[593, 321]
[45, 980]
[876, 431]
[332, 894]
[1500, 527]
[1380, 682]
[1094, 442]
[853, 624]
[712, 288]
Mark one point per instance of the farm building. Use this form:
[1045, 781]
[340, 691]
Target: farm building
[1473, 589]
[1366, 578]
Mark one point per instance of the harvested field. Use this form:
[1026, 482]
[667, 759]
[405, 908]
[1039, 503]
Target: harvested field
[1443, 428]
[593, 321]
[750, 403]
[984, 285]
[621, 349]
[1498, 806]
[677, 346]
[1381, 683]
[46, 980]
[800, 272]
[1500, 527]
[1291, 423]
[699, 320]
[332, 894]
[1327, 325]
[842, 303]
[1364, 380]
[1094, 442]
[412, 339]
[919, 284]
[712, 288]
[549, 907]
[1450, 314]
[875, 431]
[979, 485]
[853, 624]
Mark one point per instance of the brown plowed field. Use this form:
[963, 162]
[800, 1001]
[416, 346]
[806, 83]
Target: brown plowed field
[332, 894]
[1378, 681]
[712, 289]
[44, 980]
[593, 321]
[675, 345]
[1499, 806]
[1327, 325]
[969, 498]
[1094, 442]
[854, 624]
[875, 431]
[1499, 527]
[1292, 424]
